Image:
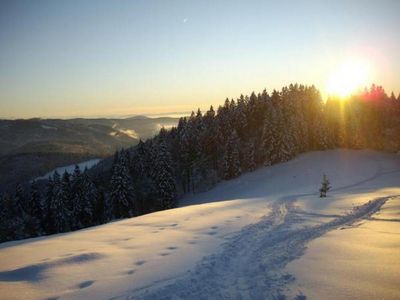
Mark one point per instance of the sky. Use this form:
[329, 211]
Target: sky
[115, 58]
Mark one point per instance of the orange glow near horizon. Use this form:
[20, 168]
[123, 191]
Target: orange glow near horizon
[350, 77]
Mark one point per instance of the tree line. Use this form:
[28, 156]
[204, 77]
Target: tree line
[203, 149]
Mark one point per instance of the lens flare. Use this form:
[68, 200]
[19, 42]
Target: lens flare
[350, 77]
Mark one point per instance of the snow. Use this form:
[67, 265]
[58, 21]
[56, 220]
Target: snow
[49, 127]
[355, 262]
[70, 168]
[259, 236]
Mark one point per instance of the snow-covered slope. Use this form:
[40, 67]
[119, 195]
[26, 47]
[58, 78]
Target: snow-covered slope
[237, 241]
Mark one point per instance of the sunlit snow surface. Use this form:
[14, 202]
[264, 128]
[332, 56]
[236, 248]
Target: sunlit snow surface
[240, 240]
[359, 262]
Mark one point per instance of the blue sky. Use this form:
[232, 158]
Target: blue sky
[107, 58]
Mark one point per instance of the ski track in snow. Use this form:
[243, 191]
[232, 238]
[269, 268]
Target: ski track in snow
[124, 260]
[250, 265]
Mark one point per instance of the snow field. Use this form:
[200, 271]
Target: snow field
[238, 240]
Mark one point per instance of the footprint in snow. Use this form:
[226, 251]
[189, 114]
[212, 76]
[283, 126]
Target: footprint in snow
[140, 262]
[85, 284]
[211, 232]
[164, 254]
[130, 272]
[172, 248]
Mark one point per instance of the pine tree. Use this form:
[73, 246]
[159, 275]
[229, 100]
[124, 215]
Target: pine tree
[268, 143]
[185, 142]
[90, 197]
[59, 210]
[33, 216]
[199, 159]
[11, 223]
[325, 186]
[122, 194]
[6, 233]
[20, 200]
[101, 213]
[241, 125]
[139, 169]
[211, 139]
[248, 156]
[77, 195]
[36, 202]
[232, 158]
[68, 198]
[269, 139]
[47, 223]
[164, 177]
[83, 199]
[284, 141]
[20, 211]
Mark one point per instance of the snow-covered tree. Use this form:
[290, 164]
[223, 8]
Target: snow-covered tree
[185, 141]
[58, 208]
[36, 202]
[325, 186]
[20, 200]
[269, 146]
[78, 198]
[164, 177]
[102, 213]
[122, 194]
[90, 196]
[47, 222]
[12, 225]
[248, 156]
[232, 157]
[240, 117]
[67, 196]
[33, 217]
[284, 141]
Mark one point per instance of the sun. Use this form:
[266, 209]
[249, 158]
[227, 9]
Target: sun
[349, 78]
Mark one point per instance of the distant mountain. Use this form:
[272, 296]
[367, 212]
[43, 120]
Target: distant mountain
[32, 147]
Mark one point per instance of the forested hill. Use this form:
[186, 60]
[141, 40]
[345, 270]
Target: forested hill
[31, 148]
[202, 150]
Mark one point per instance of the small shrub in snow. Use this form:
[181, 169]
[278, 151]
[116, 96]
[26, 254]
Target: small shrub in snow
[325, 187]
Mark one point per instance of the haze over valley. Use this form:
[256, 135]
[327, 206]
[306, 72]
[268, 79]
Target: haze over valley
[33, 147]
